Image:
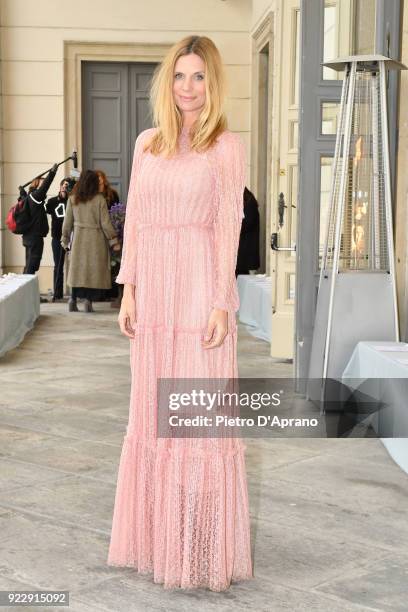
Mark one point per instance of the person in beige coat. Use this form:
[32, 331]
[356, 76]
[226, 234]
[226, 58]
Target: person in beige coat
[93, 234]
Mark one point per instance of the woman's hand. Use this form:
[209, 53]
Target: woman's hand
[116, 247]
[127, 315]
[217, 328]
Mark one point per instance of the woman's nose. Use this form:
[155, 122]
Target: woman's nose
[186, 85]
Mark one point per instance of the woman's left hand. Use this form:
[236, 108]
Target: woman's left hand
[217, 329]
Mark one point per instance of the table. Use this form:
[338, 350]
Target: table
[383, 362]
[255, 311]
[19, 308]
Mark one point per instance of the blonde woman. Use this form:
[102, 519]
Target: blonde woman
[181, 505]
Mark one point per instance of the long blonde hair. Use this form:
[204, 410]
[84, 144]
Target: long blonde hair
[166, 115]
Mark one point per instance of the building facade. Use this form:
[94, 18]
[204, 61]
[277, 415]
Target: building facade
[76, 75]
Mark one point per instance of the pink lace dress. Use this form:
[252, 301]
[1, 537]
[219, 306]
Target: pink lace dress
[181, 505]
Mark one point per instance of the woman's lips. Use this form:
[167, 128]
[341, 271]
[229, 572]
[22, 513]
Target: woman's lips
[185, 98]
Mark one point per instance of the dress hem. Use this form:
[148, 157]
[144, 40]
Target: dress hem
[188, 587]
[162, 494]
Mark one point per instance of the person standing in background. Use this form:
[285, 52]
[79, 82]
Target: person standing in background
[110, 194]
[33, 238]
[56, 207]
[112, 197]
[248, 257]
[87, 214]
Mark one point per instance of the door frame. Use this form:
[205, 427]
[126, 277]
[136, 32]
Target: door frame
[76, 52]
[263, 126]
[283, 263]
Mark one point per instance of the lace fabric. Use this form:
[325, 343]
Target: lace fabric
[181, 506]
[128, 263]
[230, 179]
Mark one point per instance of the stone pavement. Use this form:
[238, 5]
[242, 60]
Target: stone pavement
[329, 516]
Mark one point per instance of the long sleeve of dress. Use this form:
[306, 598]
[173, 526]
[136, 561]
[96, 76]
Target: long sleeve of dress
[230, 181]
[127, 269]
[67, 225]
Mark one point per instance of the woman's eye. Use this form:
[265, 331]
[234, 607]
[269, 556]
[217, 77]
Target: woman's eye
[199, 76]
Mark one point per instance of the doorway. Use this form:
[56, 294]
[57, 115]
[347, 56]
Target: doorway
[115, 109]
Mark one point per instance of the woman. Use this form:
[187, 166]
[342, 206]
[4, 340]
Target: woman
[181, 505]
[87, 214]
[111, 195]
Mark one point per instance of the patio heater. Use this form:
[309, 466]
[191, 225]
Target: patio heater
[357, 294]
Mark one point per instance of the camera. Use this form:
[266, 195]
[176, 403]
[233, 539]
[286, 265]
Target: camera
[71, 182]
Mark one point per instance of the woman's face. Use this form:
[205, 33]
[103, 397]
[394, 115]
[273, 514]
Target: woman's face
[101, 183]
[189, 84]
[64, 187]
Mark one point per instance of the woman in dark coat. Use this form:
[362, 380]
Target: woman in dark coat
[87, 214]
[248, 250]
[56, 208]
[33, 238]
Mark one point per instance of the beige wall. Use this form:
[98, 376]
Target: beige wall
[260, 8]
[32, 76]
[401, 228]
[1, 140]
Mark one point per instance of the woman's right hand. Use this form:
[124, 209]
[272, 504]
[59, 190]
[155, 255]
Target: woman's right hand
[127, 316]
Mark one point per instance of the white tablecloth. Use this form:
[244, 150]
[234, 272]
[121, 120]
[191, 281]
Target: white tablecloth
[255, 309]
[384, 360]
[19, 308]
